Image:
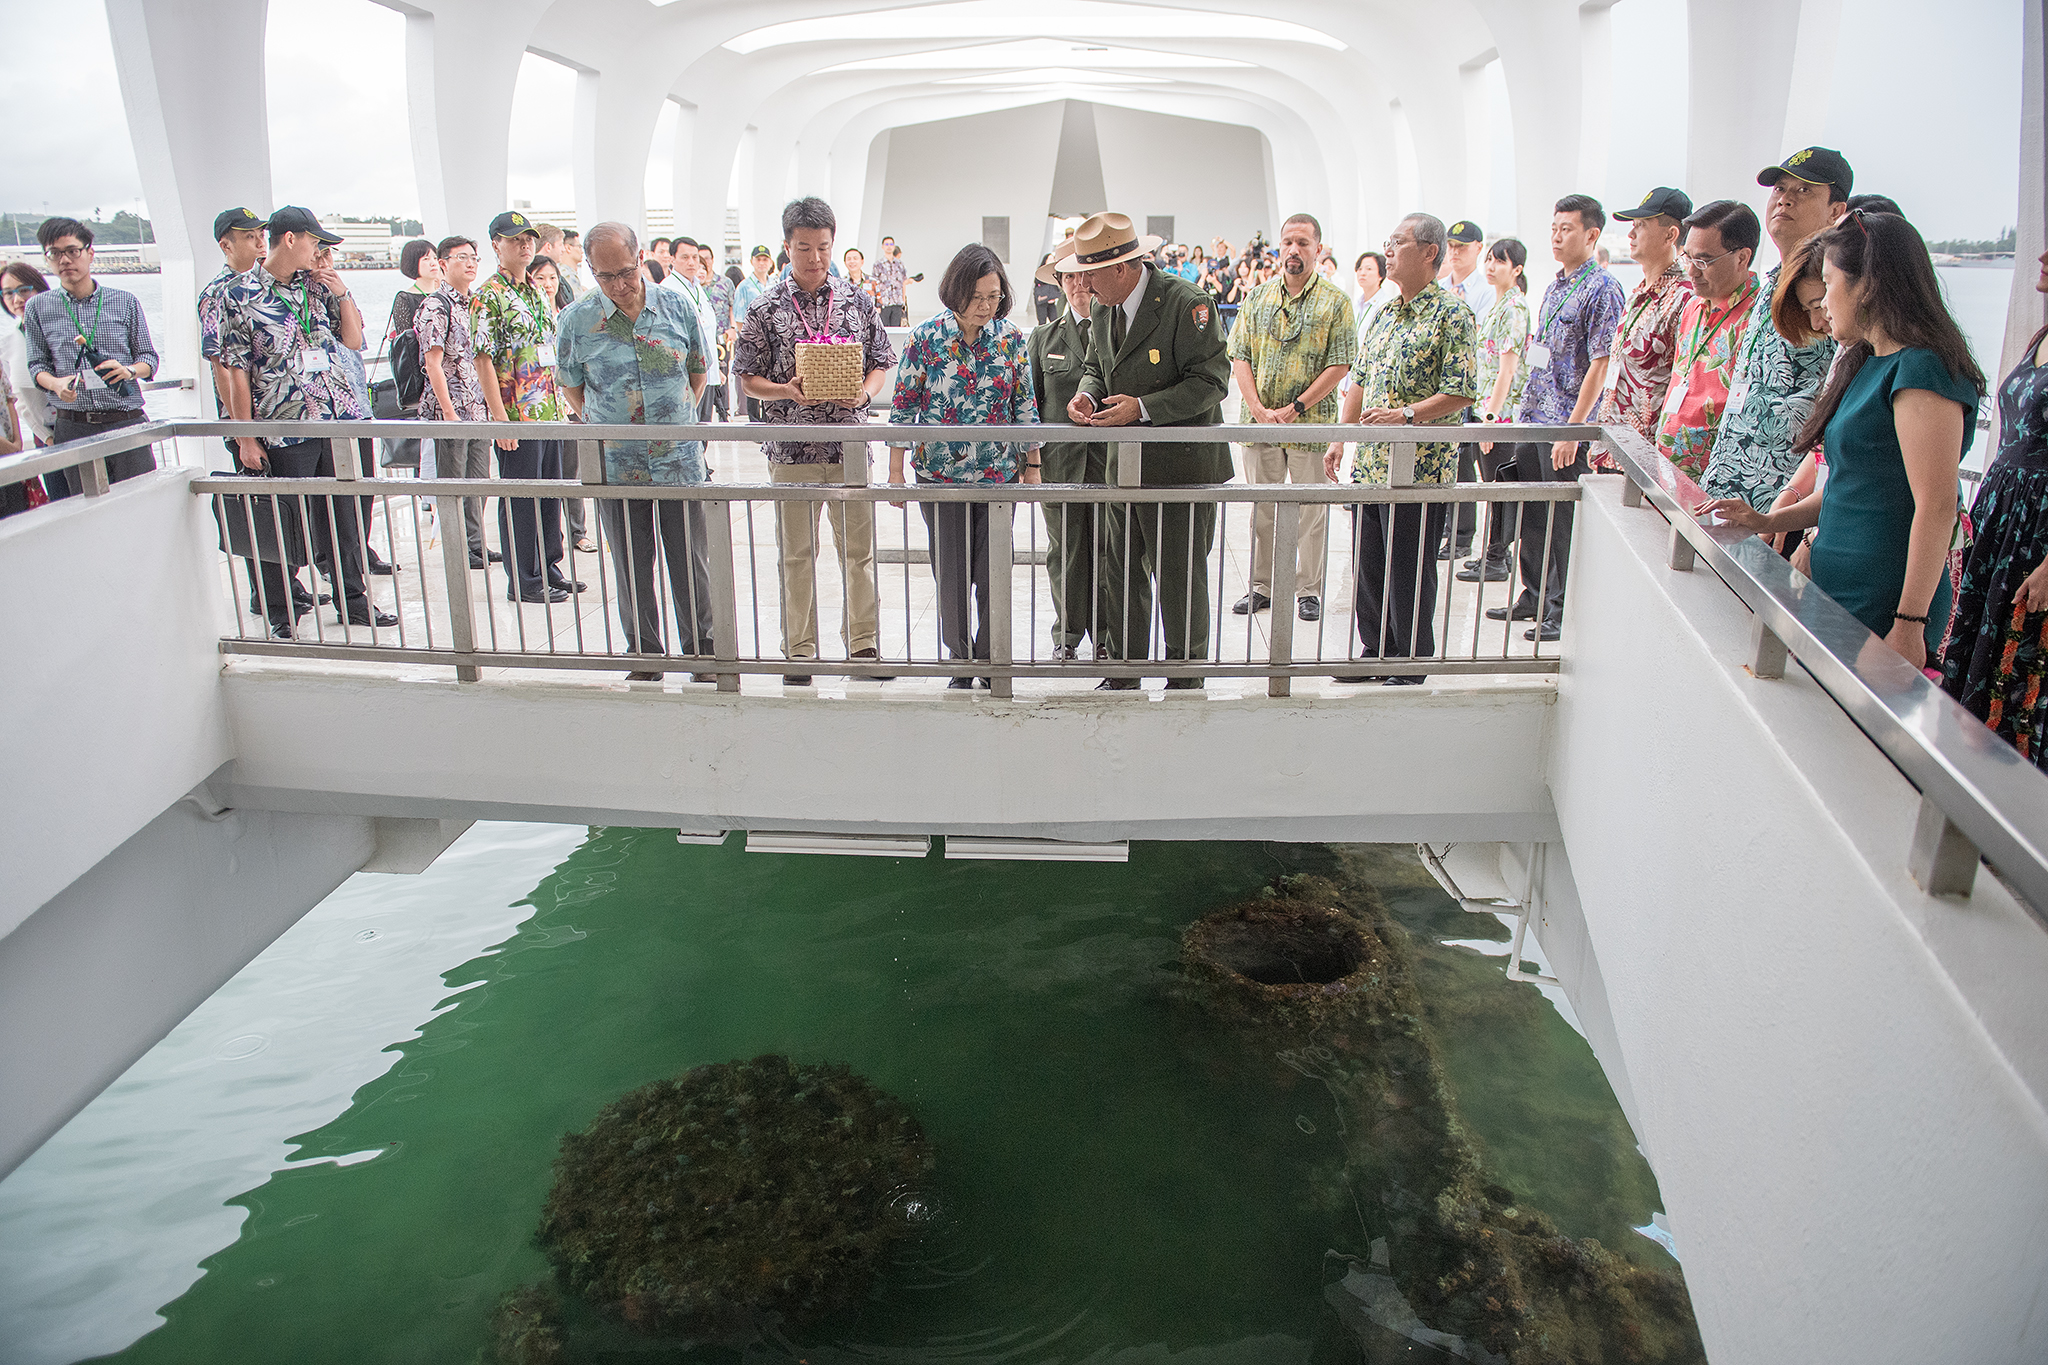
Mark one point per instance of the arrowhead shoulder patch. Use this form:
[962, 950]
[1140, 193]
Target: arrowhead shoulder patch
[1201, 315]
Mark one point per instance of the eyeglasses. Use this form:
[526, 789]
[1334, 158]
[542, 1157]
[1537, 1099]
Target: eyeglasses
[66, 253]
[618, 277]
[17, 289]
[467, 257]
[986, 300]
[1705, 262]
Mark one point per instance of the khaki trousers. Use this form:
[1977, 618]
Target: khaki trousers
[1275, 464]
[796, 536]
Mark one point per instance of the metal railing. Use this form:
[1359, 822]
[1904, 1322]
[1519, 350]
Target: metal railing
[1979, 796]
[1434, 625]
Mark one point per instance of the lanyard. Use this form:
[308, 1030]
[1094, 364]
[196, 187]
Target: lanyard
[1715, 323]
[1555, 299]
[530, 306]
[99, 302]
[824, 329]
[1635, 313]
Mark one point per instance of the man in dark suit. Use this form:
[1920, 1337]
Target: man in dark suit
[1073, 550]
[1156, 357]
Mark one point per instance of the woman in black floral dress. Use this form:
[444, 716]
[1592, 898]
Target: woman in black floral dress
[1998, 648]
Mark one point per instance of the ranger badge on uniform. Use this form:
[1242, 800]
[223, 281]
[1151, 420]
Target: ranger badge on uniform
[1201, 315]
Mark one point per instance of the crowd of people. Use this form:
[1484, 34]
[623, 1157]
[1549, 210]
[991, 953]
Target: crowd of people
[1825, 402]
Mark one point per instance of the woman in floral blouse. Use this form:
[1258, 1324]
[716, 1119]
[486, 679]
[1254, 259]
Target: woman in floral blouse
[969, 365]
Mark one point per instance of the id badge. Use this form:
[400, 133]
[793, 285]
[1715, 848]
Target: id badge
[310, 363]
[89, 378]
[1539, 356]
[1675, 399]
[1613, 378]
[545, 355]
[1737, 395]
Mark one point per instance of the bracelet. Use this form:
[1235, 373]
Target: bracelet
[1916, 620]
[1039, 465]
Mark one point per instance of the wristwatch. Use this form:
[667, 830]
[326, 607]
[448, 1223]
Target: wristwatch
[1299, 410]
[1408, 416]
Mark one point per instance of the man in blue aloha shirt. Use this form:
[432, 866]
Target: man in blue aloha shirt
[630, 354]
[1568, 355]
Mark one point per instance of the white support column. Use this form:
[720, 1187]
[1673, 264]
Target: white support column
[1750, 45]
[740, 189]
[682, 176]
[1596, 99]
[2024, 313]
[583, 154]
[1479, 140]
[461, 67]
[1540, 55]
[168, 55]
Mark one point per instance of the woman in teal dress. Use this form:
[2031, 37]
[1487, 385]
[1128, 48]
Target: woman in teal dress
[1996, 664]
[1895, 419]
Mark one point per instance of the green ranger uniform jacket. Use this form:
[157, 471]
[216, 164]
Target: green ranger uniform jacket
[1057, 357]
[1175, 358]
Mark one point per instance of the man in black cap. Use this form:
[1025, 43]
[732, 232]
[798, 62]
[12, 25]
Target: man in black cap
[1465, 243]
[1775, 383]
[1645, 348]
[281, 333]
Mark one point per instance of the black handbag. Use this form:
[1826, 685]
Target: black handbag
[250, 524]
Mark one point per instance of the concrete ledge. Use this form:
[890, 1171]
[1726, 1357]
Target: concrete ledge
[1464, 763]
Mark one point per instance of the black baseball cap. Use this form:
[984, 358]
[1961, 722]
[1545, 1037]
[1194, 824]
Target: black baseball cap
[292, 218]
[230, 219]
[1814, 165]
[511, 224]
[1663, 200]
[763, 251]
[1465, 231]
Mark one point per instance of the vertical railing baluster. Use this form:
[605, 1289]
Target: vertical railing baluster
[1280, 633]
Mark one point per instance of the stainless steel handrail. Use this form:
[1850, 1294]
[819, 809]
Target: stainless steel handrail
[1979, 794]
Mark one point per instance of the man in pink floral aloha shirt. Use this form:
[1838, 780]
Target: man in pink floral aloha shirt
[1647, 343]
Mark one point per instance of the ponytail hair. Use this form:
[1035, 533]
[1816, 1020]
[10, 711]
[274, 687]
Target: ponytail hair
[1897, 294]
[1511, 250]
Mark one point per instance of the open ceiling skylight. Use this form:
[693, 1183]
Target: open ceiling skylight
[1035, 52]
[1040, 75]
[1068, 21]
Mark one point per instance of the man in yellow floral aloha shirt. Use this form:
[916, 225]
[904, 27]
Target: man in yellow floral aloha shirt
[1417, 363]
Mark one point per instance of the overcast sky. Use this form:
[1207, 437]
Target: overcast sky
[1925, 103]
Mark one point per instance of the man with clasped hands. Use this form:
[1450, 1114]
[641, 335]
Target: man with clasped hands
[1156, 356]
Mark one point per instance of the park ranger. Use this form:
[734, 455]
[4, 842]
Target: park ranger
[1073, 549]
[1156, 357]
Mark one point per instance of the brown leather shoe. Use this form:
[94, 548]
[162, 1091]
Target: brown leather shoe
[873, 657]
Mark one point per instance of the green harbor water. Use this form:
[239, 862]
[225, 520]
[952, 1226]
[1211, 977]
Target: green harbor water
[1113, 1176]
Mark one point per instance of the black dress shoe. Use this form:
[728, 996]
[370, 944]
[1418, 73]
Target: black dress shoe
[1476, 571]
[872, 656]
[1251, 602]
[644, 675]
[1521, 611]
[959, 684]
[476, 561]
[370, 616]
[796, 679]
[1309, 608]
[566, 584]
[1117, 685]
[1358, 680]
[1184, 684]
[1549, 630]
[282, 630]
[1405, 680]
[378, 566]
[494, 556]
[547, 594]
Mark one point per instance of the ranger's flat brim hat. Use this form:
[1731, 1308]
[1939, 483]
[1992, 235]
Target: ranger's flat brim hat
[1104, 239]
[292, 218]
[1663, 201]
[1049, 273]
[1814, 165]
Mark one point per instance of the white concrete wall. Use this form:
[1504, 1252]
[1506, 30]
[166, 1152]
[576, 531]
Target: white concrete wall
[943, 177]
[1212, 177]
[110, 618]
[1838, 1080]
[102, 971]
[1388, 765]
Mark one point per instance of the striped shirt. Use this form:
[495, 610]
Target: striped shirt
[112, 318]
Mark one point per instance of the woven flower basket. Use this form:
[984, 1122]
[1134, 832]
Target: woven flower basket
[832, 372]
